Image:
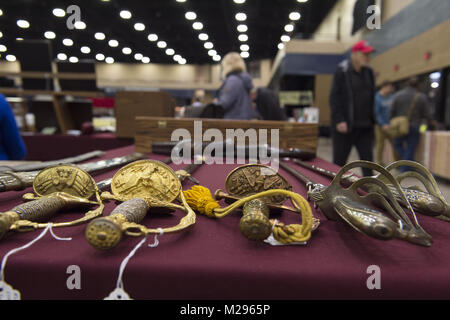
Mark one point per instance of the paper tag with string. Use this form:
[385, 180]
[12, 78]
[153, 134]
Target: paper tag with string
[7, 292]
[119, 292]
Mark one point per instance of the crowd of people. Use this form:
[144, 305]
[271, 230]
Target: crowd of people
[360, 115]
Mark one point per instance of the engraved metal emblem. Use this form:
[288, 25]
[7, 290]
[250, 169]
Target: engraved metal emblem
[65, 178]
[255, 178]
[146, 179]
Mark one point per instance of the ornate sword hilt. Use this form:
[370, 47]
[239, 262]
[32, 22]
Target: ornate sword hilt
[56, 188]
[140, 185]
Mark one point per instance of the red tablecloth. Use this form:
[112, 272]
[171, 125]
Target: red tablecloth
[214, 261]
[53, 147]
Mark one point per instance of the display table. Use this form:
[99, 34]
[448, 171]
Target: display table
[58, 146]
[212, 260]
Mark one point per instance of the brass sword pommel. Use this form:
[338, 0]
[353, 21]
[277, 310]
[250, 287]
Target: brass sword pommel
[255, 224]
[106, 232]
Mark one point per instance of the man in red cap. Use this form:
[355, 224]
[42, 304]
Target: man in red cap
[352, 107]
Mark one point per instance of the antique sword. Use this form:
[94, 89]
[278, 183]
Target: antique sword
[167, 147]
[17, 181]
[430, 203]
[152, 186]
[345, 203]
[47, 164]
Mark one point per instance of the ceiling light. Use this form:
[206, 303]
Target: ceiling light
[190, 15]
[245, 55]
[99, 36]
[161, 44]
[125, 14]
[281, 46]
[285, 38]
[203, 36]
[1, 34]
[2, 48]
[197, 26]
[435, 76]
[145, 60]
[243, 37]
[208, 45]
[181, 0]
[138, 56]
[302, 1]
[435, 85]
[244, 47]
[73, 59]
[241, 16]
[239, 1]
[67, 42]
[19, 39]
[170, 52]
[11, 58]
[139, 26]
[289, 28]
[113, 43]
[100, 56]
[217, 58]
[126, 50]
[152, 37]
[109, 60]
[212, 53]
[1, 12]
[49, 35]
[294, 16]
[80, 25]
[182, 61]
[23, 24]
[59, 12]
[242, 28]
[85, 50]
[177, 57]
[62, 56]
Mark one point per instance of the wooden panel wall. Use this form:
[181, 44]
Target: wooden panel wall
[323, 84]
[409, 56]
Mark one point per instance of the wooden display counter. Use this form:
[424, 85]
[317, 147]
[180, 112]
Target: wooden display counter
[291, 134]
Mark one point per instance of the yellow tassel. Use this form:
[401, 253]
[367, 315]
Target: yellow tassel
[200, 199]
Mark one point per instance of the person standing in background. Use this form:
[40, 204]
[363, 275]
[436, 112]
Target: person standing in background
[352, 107]
[198, 98]
[410, 101]
[383, 101]
[234, 95]
[12, 146]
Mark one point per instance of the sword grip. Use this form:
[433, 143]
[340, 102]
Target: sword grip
[37, 211]
[106, 232]
[133, 210]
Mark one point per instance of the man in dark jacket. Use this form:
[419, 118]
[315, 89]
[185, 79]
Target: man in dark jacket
[352, 107]
[268, 105]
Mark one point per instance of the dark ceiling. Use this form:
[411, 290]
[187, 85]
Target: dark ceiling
[166, 18]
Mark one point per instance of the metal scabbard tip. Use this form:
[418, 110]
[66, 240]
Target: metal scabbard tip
[103, 234]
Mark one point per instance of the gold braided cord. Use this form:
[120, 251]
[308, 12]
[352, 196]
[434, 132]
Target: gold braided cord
[200, 199]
